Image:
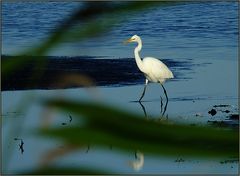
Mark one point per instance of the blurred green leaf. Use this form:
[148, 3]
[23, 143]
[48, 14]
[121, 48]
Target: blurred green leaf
[107, 126]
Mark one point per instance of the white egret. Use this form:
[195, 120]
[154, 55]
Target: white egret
[153, 69]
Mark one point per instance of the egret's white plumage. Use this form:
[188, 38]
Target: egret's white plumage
[153, 69]
[156, 71]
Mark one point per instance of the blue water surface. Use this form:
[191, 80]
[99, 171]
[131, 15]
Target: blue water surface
[195, 30]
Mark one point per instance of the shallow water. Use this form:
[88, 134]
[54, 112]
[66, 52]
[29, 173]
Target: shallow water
[184, 103]
[205, 33]
[180, 108]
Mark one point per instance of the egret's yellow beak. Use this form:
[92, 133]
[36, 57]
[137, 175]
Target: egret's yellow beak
[127, 41]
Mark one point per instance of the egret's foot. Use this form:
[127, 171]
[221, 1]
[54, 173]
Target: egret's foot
[143, 108]
[135, 101]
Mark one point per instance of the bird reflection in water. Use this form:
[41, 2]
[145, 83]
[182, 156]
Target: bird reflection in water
[138, 163]
[163, 108]
[20, 145]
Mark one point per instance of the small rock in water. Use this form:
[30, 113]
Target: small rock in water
[229, 161]
[198, 114]
[217, 123]
[212, 112]
[227, 111]
[234, 117]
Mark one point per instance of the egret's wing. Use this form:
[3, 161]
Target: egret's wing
[157, 68]
[163, 70]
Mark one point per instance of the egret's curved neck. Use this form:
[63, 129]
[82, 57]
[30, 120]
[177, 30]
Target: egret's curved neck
[137, 57]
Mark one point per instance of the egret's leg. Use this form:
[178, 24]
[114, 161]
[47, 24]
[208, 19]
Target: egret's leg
[161, 103]
[165, 92]
[165, 108]
[144, 90]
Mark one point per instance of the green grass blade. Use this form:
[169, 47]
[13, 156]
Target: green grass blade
[105, 125]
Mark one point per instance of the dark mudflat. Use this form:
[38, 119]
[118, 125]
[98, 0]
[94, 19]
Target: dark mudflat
[46, 72]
